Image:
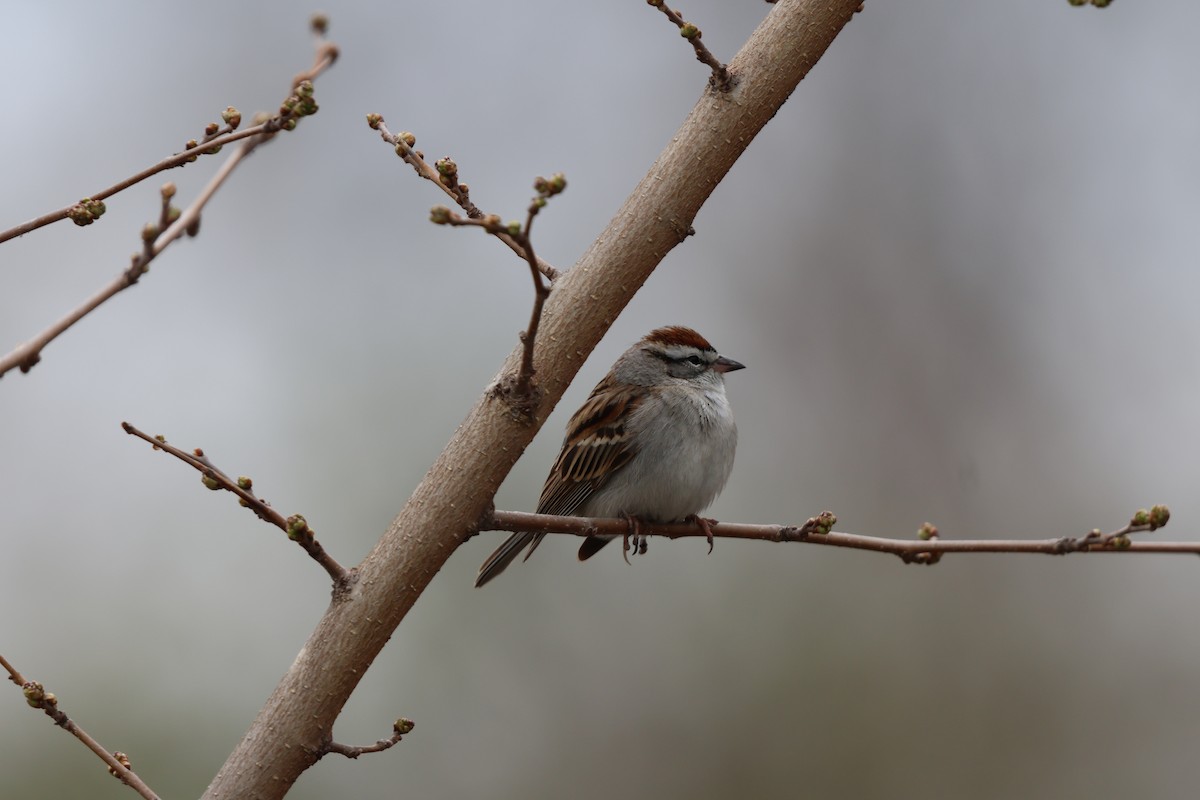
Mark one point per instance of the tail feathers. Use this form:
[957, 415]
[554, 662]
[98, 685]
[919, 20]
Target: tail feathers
[505, 554]
[591, 545]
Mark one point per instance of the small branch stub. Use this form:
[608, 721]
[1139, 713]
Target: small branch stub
[400, 728]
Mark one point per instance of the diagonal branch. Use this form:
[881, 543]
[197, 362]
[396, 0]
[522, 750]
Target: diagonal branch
[26, 355]
[37, 697]
[446, 178]
[720, 80]
[295, 526]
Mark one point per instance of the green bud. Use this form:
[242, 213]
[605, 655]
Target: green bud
[297, 527]
[211, 483]
[211, 129]
[374, 120]
[1140, 518]
[288, 125]
[167, 190]
[403, 726]
[446, 167]
[514, 228]
[689, 32]
[80, 215]
[408, 138]
[440, 215]
[1159, 515]
[232, 117]
[150, 232]
[34, 693]
[245, 483]
[305, 89]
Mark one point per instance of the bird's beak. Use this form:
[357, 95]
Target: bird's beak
[724, 364]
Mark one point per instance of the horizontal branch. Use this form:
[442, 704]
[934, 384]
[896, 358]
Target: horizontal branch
[817, 531]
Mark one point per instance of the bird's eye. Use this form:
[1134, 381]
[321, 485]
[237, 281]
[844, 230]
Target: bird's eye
[695, 361]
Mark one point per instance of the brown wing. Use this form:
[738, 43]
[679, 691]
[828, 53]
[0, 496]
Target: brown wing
[597, 445]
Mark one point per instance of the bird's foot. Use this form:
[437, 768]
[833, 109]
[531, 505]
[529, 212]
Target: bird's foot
[633, 533]
[705, 525]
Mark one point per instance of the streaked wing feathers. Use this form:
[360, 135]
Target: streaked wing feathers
[597, 445]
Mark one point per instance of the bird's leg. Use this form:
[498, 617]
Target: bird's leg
[704, 525]
[632, 531]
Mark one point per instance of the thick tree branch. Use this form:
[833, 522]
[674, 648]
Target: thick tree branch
[37, 697]
[456, 493]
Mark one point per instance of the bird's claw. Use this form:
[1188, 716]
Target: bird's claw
[634, 532]
[704, 525]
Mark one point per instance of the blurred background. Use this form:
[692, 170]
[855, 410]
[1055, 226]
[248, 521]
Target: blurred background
[960, 264]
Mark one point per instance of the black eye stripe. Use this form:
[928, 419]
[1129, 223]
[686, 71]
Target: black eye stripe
[691, 358]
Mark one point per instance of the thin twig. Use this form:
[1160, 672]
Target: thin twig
[37, 697]
[520, 390]
[458, 192]
[295, 526]
[399, 729]
[720, 79]
[27, 354]
[179, 159]
[811, 533]
[326, 54]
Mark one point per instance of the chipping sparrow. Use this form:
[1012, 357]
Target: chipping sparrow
[654, 441]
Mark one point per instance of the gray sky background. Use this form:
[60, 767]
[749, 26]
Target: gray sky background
[961, 267]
